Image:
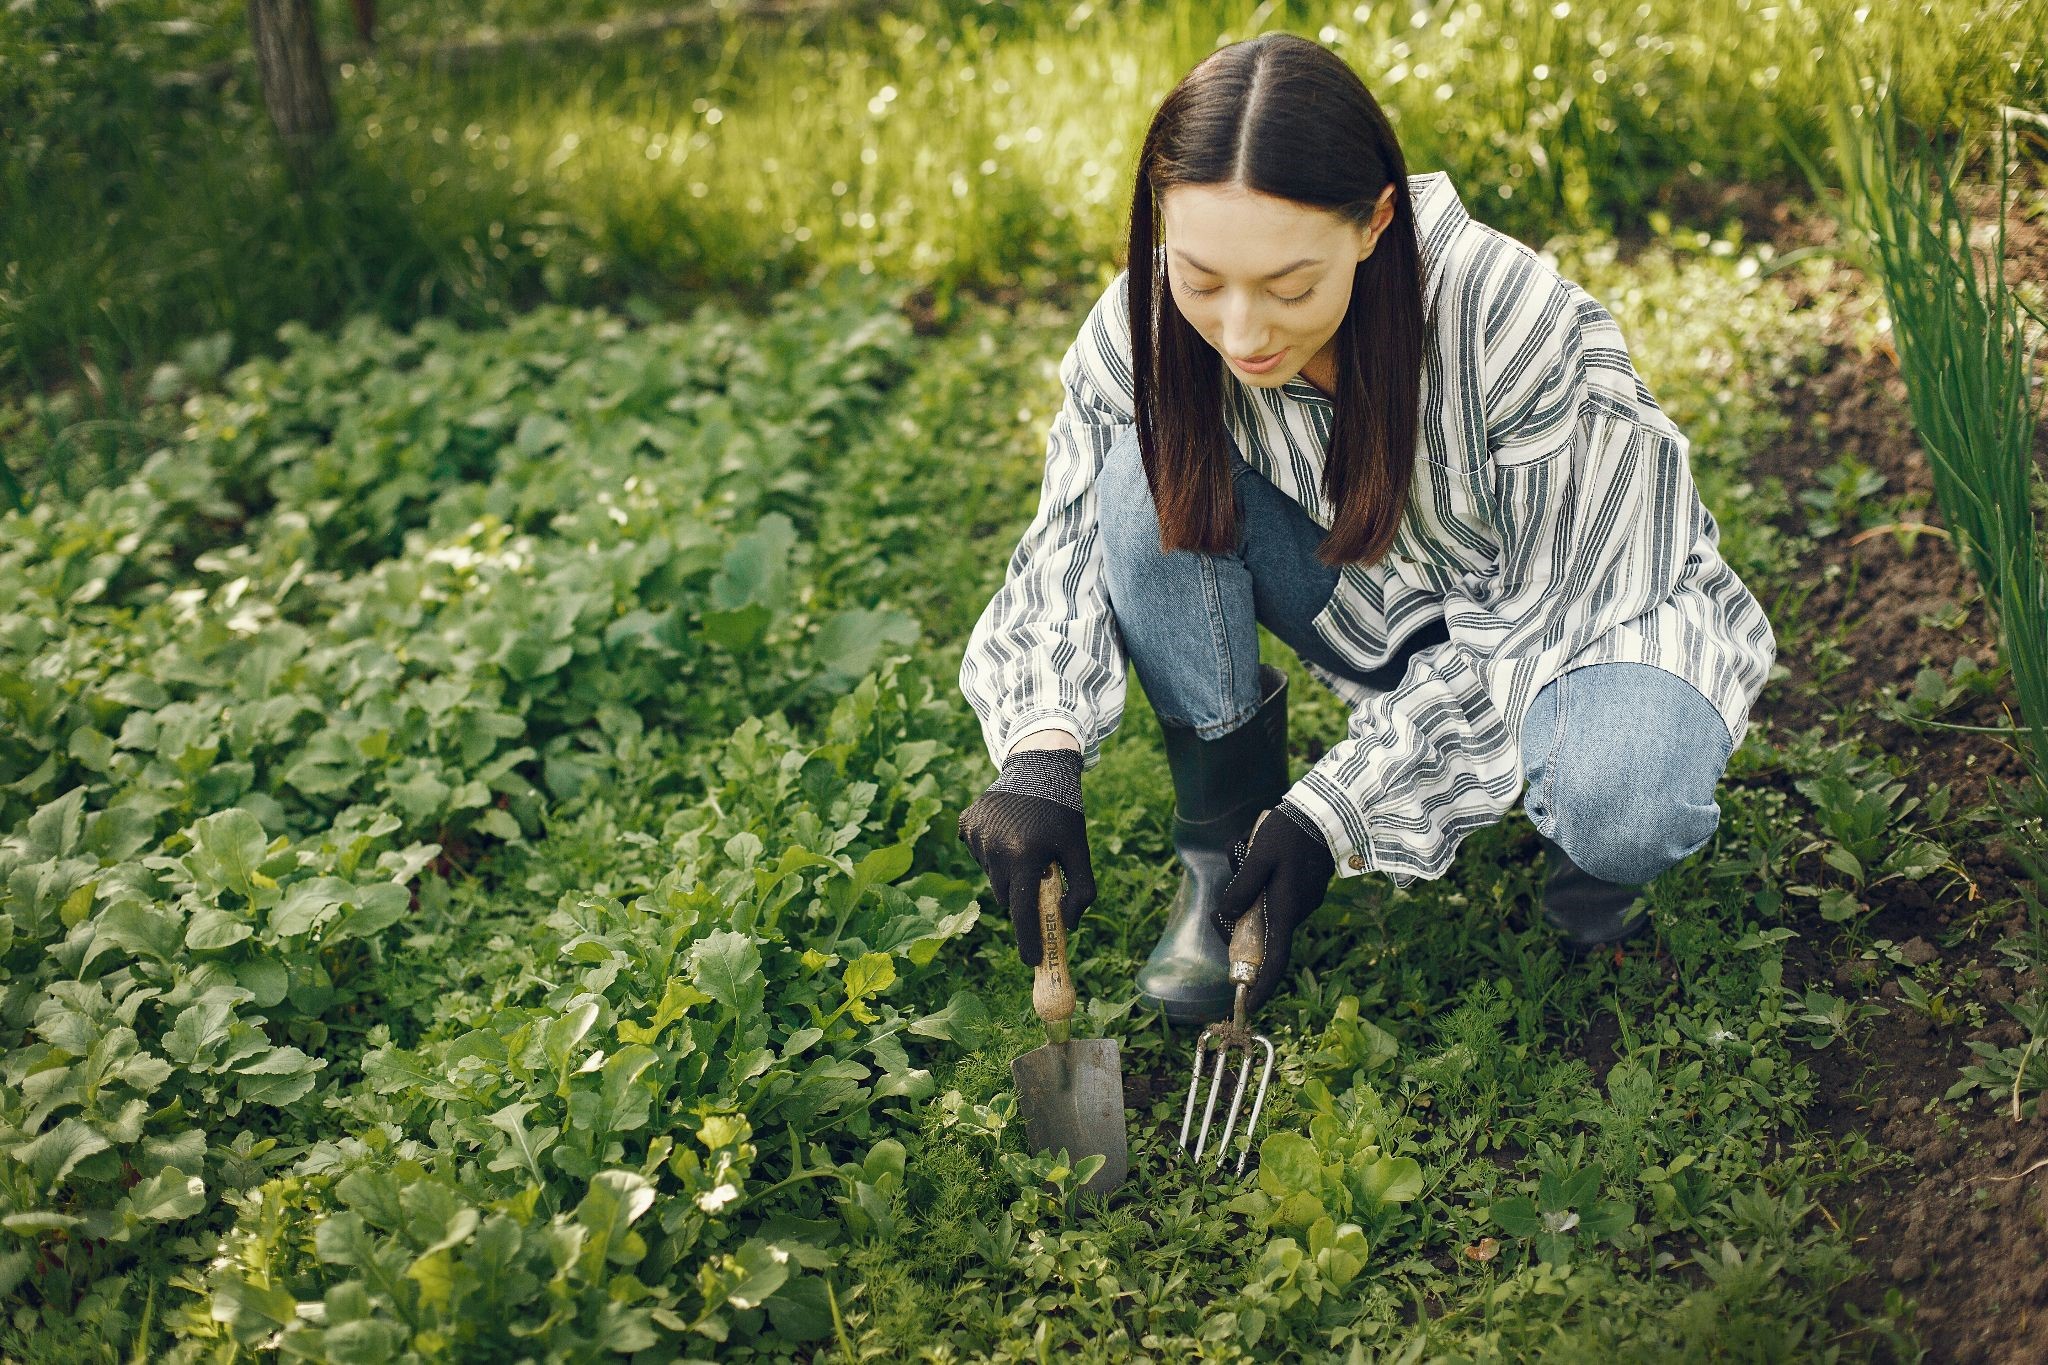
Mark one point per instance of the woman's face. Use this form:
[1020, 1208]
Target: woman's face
[1261, 277]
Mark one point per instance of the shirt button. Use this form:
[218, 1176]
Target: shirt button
[1357, 863]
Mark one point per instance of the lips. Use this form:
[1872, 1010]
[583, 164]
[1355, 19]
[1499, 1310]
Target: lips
[1259, 364]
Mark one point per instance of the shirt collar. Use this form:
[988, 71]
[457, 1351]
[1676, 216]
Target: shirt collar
[1439, 217]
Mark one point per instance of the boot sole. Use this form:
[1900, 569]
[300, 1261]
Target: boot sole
[1200, 1010]
[1580, 949]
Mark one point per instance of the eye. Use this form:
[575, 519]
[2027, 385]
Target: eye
[1191, 292]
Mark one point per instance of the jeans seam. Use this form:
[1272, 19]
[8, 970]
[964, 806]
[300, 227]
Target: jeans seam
[1212, 603]
[1551, 783]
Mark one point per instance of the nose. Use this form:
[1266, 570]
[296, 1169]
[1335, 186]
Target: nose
[1242, 337]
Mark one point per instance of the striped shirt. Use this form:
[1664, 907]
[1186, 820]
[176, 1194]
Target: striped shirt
[1552, 523]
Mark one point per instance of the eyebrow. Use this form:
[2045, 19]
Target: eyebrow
[1284, 270]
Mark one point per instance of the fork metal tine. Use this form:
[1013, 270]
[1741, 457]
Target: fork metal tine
[1188, 1117]
[1265, 1075]
[1236, 1102]
[1209, 1108]
[1218, 1044]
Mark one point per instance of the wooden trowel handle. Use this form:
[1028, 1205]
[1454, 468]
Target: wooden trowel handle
[1248, 938]
[1052, 987]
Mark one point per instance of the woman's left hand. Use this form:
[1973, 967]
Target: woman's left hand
[1292, 868]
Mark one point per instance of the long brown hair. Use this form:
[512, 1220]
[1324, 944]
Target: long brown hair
[1280, 115]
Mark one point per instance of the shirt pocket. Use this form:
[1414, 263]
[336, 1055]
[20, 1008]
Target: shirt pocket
[1447, 535]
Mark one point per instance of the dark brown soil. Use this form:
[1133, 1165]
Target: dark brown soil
[1957, 1217]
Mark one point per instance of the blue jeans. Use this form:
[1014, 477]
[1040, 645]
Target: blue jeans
[1621, 759]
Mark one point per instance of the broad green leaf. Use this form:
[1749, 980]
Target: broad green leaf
[1517, 1215]
[726, 966]
[849, 642]
[615, 1199]
[364, 1341]
[228, 850]
[526, 1146]
[1392, 1180]
[392, 1070]
[678, 996]
[434, 1272]
[1842, 860]
[869, 974]
[964, 1020]
[370, 909]
[306, 902]
[883, 865]
[737, 630]
[1299, 1210]
[147, 931]
[53, 830]
[266, 980]
[499, 824]
[562, 1034]
[51, 1156]
[251, 1312]
[800, 1309]
[168, 1194]
[756, 1271]
[755, 566]
[1288, 1162]
[213, 928]
[77, 905]
[200, 1028]
[624, 1329]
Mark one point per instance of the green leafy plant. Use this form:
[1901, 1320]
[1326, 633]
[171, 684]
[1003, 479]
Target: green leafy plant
[2018, 1075]
[1565, 1214]
[1831, 1018]
[1842, 497]
[1934, 693]
[1869, 840]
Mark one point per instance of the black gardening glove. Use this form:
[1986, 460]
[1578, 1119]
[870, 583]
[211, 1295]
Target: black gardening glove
[1288, 861]
[1029, 819]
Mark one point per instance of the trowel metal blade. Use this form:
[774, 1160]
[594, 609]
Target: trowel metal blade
[1072, 1095]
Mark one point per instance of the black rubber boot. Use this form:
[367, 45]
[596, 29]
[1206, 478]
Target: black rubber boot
[1219, 787]
[1589, 913]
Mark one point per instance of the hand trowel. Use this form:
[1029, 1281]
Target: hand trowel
[1072, 1089]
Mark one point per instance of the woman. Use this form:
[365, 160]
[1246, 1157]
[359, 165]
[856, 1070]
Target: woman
[1332, 403]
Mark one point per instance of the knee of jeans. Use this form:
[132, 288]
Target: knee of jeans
[1124, 500]
[1626, 832]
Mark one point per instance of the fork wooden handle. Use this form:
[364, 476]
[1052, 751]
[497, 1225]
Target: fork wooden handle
[1052, 986]
[1248, 937]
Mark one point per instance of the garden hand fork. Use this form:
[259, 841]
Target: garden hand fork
[1220, 1039]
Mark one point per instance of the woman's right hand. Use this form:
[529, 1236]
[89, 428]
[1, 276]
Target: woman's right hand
[1030, 818]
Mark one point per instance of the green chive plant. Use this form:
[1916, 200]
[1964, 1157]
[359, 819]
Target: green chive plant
[1963, 345]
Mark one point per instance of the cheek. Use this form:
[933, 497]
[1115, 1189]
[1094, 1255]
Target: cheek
[1331, 315]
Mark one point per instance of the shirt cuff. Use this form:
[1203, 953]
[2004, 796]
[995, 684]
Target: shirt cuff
[1340, 819]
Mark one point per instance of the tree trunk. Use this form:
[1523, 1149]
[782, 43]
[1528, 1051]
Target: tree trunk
[286, 39]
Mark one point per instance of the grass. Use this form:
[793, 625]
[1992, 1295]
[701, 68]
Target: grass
[954, 146]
